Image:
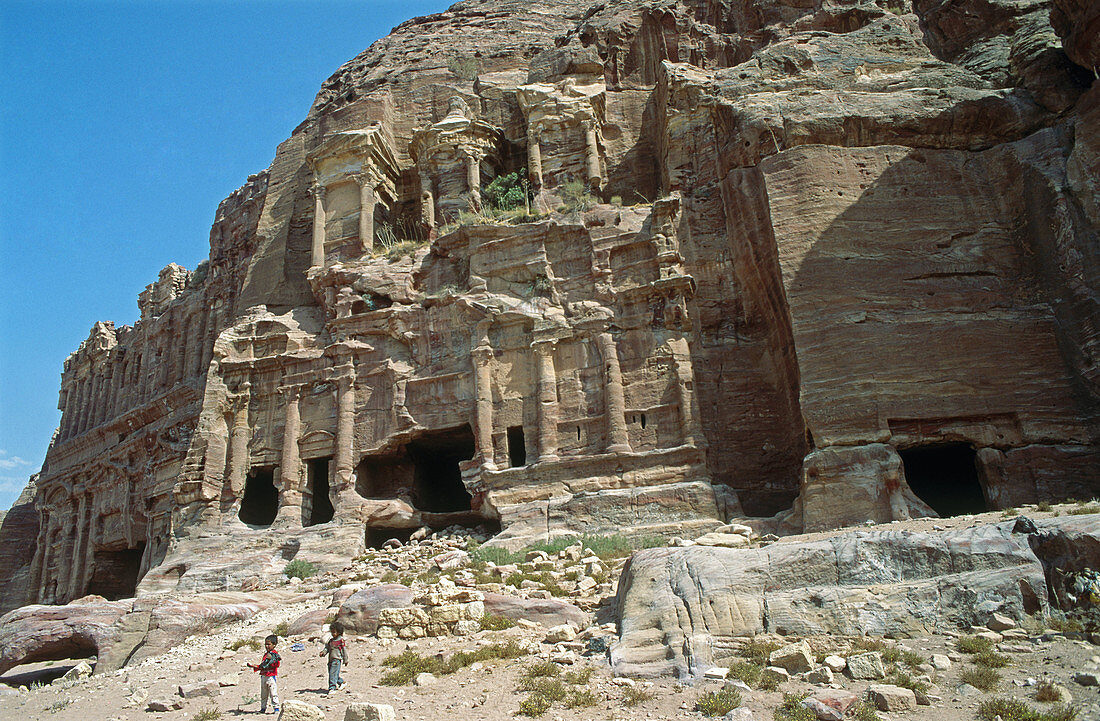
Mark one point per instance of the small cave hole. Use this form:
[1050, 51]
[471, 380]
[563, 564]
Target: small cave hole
[376, 536]
[517, 450]
[945, 477]
[316, 505]
[261, 501]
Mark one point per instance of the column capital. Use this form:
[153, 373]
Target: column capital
[317, 190]
[292, 393]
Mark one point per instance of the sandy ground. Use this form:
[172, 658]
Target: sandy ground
[489, 691]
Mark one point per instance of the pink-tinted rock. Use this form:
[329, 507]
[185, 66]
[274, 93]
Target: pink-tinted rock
[359, 613]
[309, 622]
[545, 611]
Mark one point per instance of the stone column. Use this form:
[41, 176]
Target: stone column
[367, 201]
[343, 461]
[290, 471]
[66, 413]
[684, 378]
[36, 584]
[217, 442]
[65, 570]
[82, 409]
[318, 256]
[103, 394]
[548, 401]
[209, 335]
[118, 369]
[201, 361]
[534, 159]
[83, 553]
[592, 155]
[617, 439]
[483, 395]
[427, 200]
[473, 179]
[239, 437]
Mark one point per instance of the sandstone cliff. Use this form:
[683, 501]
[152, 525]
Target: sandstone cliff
[833, 260]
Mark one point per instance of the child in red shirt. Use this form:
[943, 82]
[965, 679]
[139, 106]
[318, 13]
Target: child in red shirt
[269, 672]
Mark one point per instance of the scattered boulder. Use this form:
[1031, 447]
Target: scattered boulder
[369, 712]
[796, 657]
[546, 611]
[823, 712]
[560, 633]
[866, 666]
[359, 613]
[309, 622]
[77, 672]
[300, 711]
[162, 705]
[892, 698]
[200, 688]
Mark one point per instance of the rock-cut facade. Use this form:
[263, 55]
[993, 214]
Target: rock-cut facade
[820, 263]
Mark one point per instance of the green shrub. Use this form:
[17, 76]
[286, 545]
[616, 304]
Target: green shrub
[758, 651]
[991, 659]
[1043, 506]
[281, 629]
[496, 623]
[718, 703]
[207, 714]
[508, 192]
[1046, 692]
[1083, 510]
[481, 554]
[973, 644]
[897, 677]
[576, 197]
[542, 669]
[981, 677]
[252, 643]
[1010, 709]
[534, 705]
[634, 695]
[580, 698]
[579, 677]
[299, 569]
[865, 711]
[746, 671]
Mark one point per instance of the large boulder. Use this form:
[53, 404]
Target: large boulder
[43, 633]
[359, 613]
[546, 611]
[677, 604]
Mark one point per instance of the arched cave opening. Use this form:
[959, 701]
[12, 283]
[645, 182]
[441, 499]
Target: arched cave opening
[261, 501]
[437, 480]
[40, 668]
[316, 504]
[376, 536]
[945, 476]
[115, 573]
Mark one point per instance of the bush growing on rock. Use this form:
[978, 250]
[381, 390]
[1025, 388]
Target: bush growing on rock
[792, 709]
[718, 703]
[299, 569]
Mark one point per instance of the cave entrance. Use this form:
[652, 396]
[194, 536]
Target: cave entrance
[115, 573]
[261, 501]
[377, 536]
[437, 480]
[517, 448]
[316, 504]
[945, 477]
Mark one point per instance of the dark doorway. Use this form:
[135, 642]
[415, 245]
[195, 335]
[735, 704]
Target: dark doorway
[945, 477]
[261, 500]
[517, 449]
[378, 536]
[437, 480]
[115, 573]
[319, 505]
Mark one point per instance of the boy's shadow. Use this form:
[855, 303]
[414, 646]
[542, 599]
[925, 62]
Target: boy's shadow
[314, 691]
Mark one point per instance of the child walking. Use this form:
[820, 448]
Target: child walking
[269, 672]
[337, 651]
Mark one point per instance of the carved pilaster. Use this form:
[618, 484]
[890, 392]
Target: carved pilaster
[317, 258]
[367, 201]
[534, 159]
[548, 401]
[592, 155]
[342, 488]
[427, 200]
[473, 179]
[617, 439]
[480, 357]
[290, 471]
[239, 437]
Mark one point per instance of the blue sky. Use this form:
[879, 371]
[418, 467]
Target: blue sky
[122, 126]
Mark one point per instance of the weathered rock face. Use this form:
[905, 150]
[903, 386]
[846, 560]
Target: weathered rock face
[833, 252]
[680, 608]
[18, 533]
